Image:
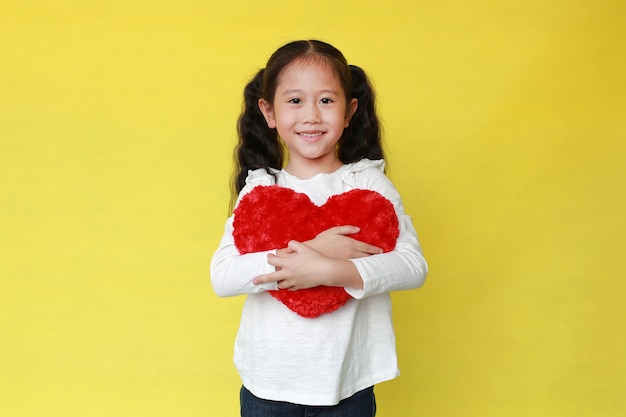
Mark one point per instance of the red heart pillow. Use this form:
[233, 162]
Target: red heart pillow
[268, 217]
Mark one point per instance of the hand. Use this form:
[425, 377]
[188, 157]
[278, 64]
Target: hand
[303, 267]
[334, 243]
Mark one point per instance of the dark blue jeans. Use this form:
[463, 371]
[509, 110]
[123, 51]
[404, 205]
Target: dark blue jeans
[361, 404]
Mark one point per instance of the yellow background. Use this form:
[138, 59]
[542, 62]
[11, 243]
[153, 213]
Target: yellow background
[506, 126]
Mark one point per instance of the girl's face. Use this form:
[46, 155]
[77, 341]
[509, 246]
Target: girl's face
[310, 113]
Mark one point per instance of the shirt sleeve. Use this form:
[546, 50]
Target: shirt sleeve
[231, 272]
[401, 269]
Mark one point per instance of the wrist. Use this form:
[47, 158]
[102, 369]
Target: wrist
[311, 244]
[343, 273]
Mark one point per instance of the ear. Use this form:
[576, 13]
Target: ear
[268, 112]
[351, 109]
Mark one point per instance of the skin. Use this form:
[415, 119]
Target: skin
[310, 113]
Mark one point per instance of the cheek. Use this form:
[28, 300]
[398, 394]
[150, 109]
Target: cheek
[284, 116]
[284, 122]
[343, 120]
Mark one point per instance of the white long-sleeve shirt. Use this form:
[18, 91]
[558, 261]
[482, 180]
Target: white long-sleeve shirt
[284, 357]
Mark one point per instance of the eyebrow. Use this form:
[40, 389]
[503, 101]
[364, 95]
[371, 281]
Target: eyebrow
[296, 91]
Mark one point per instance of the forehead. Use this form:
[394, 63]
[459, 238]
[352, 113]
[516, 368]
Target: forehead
[309, 72]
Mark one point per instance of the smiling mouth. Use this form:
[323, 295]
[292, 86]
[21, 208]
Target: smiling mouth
[311, 135]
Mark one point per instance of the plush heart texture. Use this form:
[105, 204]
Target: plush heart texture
[268, 217]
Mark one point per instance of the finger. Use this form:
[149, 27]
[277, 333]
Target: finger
[284, 284]
[261, 279]
[358, 254]
[276, 261]
[366, 248]
[296, 246]
[284, 252]
[265, 278]
[345, 230]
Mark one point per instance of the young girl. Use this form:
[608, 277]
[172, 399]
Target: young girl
[311, 103]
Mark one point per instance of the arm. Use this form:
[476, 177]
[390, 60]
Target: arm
[301, 266]
[404, 267]
[232, 273]
[320, 261]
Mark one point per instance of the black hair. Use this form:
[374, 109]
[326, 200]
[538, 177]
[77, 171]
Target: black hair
[260, 147]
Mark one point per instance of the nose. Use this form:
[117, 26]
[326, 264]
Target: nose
[312, 114]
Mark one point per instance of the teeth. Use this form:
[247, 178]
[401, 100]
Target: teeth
[311, 135]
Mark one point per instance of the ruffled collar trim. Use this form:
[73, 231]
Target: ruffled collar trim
[262, 177]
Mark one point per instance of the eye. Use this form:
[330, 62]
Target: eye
[295, 101]
[326, 100]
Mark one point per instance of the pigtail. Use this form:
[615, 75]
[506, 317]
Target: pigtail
[258, 145]
[362, 138]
